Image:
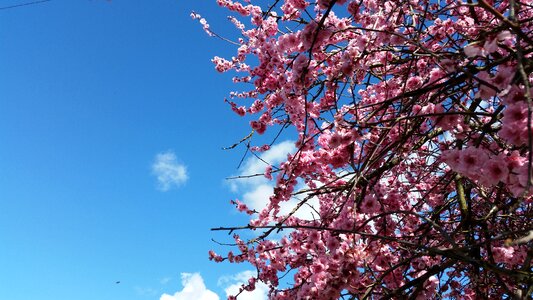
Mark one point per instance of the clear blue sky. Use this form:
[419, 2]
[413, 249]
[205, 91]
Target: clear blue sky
[90, 93]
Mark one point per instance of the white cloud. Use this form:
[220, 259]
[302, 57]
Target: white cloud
[257, 190]
[169, 172]
[253, 165]
[258, 196]
[193, 289]
[234, 283]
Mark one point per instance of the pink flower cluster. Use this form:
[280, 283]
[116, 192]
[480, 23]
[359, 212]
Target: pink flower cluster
[489, 170]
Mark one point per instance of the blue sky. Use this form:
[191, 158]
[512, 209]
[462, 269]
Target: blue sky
[98, 100]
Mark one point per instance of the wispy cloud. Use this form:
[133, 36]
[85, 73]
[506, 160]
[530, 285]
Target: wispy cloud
[169, 172]
[193, 289]
[145, 291]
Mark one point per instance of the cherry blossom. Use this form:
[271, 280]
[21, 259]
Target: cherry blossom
[412, 122]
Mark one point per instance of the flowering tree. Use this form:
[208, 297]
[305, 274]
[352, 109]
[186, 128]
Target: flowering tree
[413, 122]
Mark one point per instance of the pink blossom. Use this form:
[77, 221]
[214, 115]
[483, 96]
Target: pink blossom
[268, 172]
[471, 161]
[259, 127]
[503, 254]
[485, 91]
[413, 83]
[370, 205]
[514, 124]
[472, 50]
[490, 45]
[495, 170]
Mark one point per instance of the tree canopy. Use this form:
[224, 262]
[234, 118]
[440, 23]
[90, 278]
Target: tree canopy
[413, 129]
